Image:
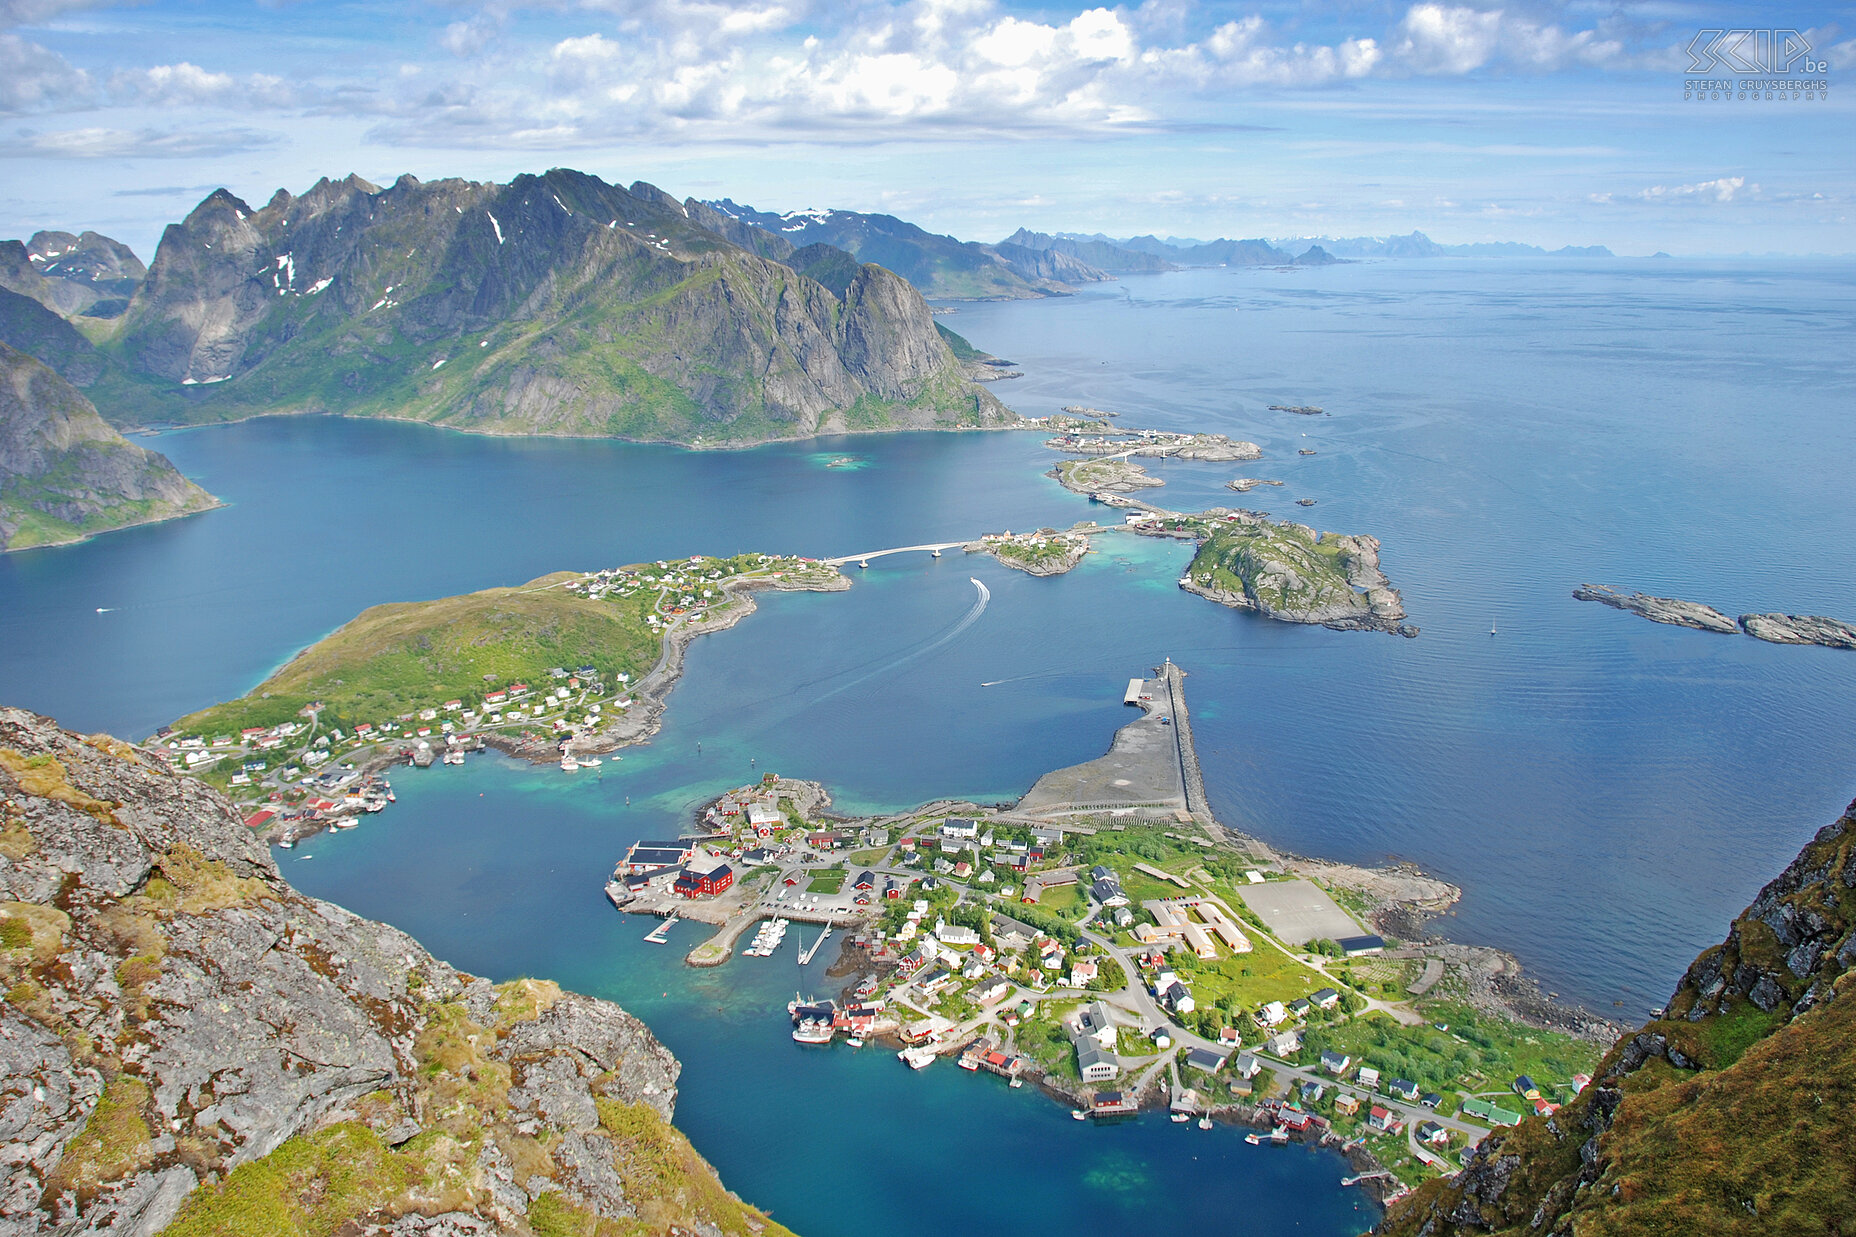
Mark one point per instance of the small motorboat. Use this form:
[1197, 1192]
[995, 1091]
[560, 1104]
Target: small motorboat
[1077, 1114]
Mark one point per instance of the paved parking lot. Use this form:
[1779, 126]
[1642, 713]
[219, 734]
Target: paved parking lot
[1298, 911]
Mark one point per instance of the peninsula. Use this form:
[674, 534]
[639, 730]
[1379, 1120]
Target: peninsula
[65, 474]
[1105, 938]
[561, 668]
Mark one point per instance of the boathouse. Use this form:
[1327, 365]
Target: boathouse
[694, 884]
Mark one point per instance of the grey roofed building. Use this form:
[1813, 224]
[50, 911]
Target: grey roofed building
[1247, 1065]
[1354, 946]
[1204, 1059]
[1093, 1062]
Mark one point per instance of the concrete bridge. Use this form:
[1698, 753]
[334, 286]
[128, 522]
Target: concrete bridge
[863, 560]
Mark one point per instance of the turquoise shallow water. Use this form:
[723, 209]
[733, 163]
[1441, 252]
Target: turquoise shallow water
[1607, 791]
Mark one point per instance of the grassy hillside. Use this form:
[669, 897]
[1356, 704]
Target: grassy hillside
[1734, 1114]
[409, 656]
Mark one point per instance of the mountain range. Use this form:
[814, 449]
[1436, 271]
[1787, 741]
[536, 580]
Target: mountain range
[555, 304]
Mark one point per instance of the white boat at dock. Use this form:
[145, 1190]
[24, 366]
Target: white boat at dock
[454, 757]
[919, 1057]
[569, 764]
[590, 762]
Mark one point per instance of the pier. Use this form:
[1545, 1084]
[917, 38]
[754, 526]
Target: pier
[661, 933]
[806, 955]
[1175, 680]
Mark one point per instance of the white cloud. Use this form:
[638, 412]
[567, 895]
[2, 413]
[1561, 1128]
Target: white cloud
[1435, 39]
[32, 77]
[188, 85]
[1726, 189]
[105, 143]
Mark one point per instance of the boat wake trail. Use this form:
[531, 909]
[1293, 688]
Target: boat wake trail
[966, 620]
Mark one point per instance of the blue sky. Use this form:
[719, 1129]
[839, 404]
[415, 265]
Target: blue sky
[1555, 123]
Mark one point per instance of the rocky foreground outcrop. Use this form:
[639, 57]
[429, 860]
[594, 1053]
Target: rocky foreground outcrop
[187, 1041]
[65, 474]
[1735, 1113]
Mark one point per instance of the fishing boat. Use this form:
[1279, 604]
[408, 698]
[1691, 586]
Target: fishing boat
[590, 762]
[1077, 1114]
[454, 757]
[937, 554]
[1016, 1083]
[813, 1031]
[1180, 1118]
[569, 764]
[855, 1041]
[917, 1058]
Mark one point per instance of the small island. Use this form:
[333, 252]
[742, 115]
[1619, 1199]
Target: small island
[1243, 485]
[1285, 571]
[1045, 552]
[1212, 448]
[1103, 476]
[1772, 628]
[1668, 610]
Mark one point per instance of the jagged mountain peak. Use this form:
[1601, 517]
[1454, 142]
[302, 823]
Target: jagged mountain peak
[509, 304]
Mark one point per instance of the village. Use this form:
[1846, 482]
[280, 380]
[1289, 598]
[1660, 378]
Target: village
[1119, 960]
[322, 769]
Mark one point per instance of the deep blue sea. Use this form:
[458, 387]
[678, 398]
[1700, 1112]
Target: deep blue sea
[1607, 791]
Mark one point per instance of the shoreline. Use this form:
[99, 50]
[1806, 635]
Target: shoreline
[155, 429]
[215, 505]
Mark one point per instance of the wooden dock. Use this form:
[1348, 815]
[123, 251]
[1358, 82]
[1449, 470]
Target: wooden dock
[661, 933]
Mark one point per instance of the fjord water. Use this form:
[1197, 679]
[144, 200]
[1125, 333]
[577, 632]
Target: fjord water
[1607, 791]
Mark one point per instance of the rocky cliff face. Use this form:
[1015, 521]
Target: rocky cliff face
[556, 304]
[65, 474]
[188, 1041]
[1734, 1113]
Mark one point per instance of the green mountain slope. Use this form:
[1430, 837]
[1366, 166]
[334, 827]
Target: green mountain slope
[555, 304]
[65, 474]
[1735, 1113]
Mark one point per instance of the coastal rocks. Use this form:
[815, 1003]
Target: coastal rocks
[1243, 485]
[174, 1010]
[1659, 609]
[1800, 629]
[1774, 628]
[1103, 476]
